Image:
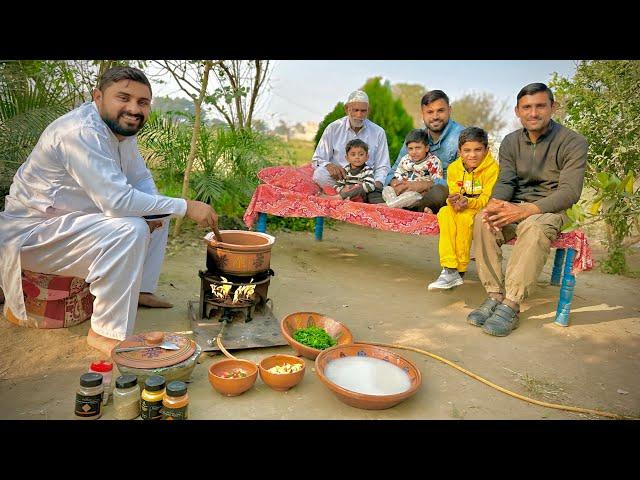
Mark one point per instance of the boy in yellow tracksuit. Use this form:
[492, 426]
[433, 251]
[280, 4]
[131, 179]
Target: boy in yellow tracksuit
[470, 179]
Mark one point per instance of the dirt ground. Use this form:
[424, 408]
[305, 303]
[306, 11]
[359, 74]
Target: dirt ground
[375, 282]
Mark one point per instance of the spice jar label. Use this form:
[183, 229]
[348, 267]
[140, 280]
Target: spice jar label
[174, 413]
[150, 410]
[88, 405]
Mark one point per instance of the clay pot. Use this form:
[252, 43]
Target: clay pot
[280, 381]
[171, 364]
[298, 320]
[232, 387]
[361, 400]
[241, 252]
[180, 371]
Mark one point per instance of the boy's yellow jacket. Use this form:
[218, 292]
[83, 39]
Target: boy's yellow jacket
[477, 184]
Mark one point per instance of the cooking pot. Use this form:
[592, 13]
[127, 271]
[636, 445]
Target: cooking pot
[240, 252]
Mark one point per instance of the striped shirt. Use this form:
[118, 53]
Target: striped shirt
[355, 177]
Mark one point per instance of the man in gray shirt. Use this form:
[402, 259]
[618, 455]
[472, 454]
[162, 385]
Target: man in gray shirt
[541, 175]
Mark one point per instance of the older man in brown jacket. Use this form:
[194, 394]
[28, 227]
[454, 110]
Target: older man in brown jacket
[541, 175]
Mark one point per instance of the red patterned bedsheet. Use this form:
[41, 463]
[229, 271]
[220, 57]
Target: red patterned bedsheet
[280, 201]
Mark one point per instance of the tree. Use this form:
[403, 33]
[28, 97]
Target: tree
[32, 95]
[239, 84]
[385, 111]
[332, 116]
[283, 129]
[259, 126]
[192, 78]
[602, 102]
[482, 110]
[299, 128]
[410, 94]
[87, 72]
[178, 104]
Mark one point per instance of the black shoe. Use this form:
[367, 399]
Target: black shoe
[478, 316]
[502, 322]
[461, 274]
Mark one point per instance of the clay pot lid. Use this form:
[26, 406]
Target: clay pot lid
[153, 357]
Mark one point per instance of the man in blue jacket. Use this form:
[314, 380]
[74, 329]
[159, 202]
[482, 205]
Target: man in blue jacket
[443, 136]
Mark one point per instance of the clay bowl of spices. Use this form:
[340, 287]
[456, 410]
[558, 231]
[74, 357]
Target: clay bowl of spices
[367, 376]
[310, 333]
[233, 376]
[281, 372]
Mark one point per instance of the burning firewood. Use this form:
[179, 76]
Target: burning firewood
[243, 292]
[221, 291]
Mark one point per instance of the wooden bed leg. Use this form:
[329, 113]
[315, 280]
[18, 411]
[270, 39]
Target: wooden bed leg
[566, 291]
[319, 227]
[262, 223]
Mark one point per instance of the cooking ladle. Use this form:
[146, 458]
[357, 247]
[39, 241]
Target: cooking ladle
[216, 232]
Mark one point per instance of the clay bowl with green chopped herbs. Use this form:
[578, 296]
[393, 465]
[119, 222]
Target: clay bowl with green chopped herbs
[310, 333]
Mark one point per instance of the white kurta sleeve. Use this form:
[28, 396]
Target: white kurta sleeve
[381, 161]
[324, 150]
[86, 155]
[140, 177]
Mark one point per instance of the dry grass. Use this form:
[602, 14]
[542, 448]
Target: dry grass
[539, 388]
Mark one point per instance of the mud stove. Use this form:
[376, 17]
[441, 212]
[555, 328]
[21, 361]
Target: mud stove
[240, 303]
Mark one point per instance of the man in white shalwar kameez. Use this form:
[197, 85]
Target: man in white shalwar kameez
[76, 208]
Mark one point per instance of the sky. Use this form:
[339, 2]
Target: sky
[306, 90]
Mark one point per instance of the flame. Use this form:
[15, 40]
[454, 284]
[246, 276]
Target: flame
[243, 292]
[221, 291]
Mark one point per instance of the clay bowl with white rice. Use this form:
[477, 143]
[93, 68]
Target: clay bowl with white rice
[366, 376]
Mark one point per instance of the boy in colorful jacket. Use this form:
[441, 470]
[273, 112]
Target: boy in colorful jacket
[418, 165]
[470, 179]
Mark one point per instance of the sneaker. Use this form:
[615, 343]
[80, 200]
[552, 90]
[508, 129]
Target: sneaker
[448, 278]
[502, 322]
[388, 193]
[480, 315]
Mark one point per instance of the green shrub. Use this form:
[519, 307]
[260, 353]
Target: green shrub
[225, 168]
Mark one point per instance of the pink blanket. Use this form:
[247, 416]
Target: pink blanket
[290, 192]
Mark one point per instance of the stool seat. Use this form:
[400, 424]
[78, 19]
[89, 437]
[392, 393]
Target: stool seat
[54, 301]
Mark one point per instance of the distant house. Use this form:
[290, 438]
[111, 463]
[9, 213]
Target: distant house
[307, 132]
[300, 131]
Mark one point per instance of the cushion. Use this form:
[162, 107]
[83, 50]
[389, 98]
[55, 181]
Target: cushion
[293, 179]
[53, 301]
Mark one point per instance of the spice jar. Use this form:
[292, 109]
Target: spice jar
[151, 399]
[89, 396]
[104, 368]
[126, 398]
[175, 404]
